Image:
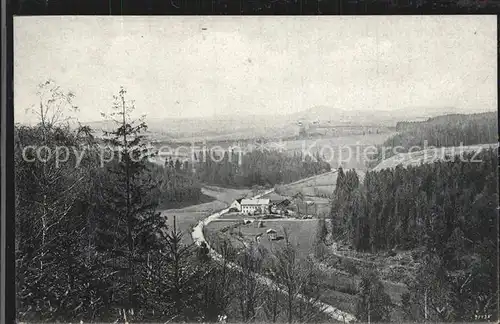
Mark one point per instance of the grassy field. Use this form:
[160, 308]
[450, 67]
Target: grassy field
[232, 215]
[320, 186]
[308, 191]
[226, 195]
[347, 151]
[240, 217]
[191, 215]
[318, 189]
[301, 233]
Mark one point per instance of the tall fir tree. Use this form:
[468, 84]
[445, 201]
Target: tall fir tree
[128, 225]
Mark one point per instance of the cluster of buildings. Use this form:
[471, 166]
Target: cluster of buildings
[260, 206]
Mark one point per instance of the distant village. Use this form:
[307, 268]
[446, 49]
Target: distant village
[281, 207]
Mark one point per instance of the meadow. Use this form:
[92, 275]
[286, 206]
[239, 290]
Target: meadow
[318, 189]
[301, 232]
[189, 216]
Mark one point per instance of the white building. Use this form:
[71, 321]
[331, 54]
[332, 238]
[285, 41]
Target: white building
[250, 206]
[236, 204]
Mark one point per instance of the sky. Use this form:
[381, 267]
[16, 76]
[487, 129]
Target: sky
[202, 66]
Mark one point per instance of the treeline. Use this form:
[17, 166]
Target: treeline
[445, 119]
[258, 167]
[399, 207]
[448, 208]
[88, 237]
[176, 185]
[279, 302]
[442, 131]
[90, 244]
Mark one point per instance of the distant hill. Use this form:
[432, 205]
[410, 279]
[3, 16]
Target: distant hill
[241, 127]
[327, 121]
[338, 115]
[213, 128]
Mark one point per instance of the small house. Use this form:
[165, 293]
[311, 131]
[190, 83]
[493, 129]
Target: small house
[280, 206]
[271, 233]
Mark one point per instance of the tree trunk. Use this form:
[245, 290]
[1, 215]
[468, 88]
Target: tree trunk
[425, 305]
[369, 309]
[44, 230]
[130, 242]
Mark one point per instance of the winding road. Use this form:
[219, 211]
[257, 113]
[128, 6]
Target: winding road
[198, 238]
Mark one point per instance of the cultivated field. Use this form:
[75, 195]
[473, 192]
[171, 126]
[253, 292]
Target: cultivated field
[301, 232]
[320, 186]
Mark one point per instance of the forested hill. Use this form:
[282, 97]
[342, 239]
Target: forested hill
[441, 131]
[448, 119]
[395, 207]
[448, 211]
[264, 168]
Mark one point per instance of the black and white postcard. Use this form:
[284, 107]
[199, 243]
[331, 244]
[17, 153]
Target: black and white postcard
[210, 169]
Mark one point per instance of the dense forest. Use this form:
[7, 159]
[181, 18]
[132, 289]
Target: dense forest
[442, 131]
[89, 241]
[258, 167]
[175, 184]
[448, 209]
[90, 245]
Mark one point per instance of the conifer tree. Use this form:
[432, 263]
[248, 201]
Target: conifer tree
[129, 225]
[374, 303]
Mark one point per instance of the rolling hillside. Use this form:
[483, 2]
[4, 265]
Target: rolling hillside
[429, 156]
[441, 131]
[370, 117]
[241, 127]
